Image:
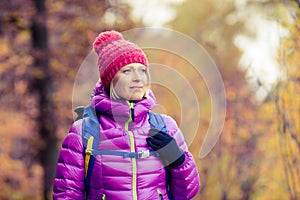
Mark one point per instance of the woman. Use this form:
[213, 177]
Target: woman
[122, 99]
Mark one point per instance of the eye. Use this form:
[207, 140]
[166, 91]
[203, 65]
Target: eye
[126, 71]
[143, 70]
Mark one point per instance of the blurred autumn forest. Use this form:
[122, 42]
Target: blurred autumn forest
[43, 43]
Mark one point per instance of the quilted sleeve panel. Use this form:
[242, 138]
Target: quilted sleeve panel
[184, 180]
[69, 179]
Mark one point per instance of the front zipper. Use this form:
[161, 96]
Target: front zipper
[160, 194]
[132, 149]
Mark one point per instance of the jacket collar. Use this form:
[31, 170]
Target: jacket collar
[120, 110]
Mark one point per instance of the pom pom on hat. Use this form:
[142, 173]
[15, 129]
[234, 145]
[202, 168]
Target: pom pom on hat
[106, 38]
[114, 52]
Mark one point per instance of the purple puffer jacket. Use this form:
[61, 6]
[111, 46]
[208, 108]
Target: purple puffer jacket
[115, 177]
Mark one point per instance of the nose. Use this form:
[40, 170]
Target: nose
[137, 76]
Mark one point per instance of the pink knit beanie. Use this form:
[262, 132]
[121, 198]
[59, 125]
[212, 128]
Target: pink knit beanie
[114, 52]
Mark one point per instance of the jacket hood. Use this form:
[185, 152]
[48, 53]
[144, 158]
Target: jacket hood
[118, 109]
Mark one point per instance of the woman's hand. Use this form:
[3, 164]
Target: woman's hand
[166, 146]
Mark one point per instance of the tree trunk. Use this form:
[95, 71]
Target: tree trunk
[41, 86]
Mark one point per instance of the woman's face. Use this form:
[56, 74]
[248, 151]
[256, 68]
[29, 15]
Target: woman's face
[131, 82]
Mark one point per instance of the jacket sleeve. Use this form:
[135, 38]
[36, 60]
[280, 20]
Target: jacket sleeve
[69, 178]
[184, 179]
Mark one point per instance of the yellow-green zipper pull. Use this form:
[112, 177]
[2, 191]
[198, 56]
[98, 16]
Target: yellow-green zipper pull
[160, 194]
[131, 115]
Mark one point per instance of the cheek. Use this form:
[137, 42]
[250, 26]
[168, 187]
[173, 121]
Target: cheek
[146, 78]
[119, 82]
[121, 87]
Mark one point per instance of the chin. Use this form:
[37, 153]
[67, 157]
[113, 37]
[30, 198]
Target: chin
[136, 97]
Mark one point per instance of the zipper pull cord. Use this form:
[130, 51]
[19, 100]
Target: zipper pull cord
[131, 105]
[131, 115]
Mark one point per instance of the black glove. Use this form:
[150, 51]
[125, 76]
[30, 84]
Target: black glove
[166, 146]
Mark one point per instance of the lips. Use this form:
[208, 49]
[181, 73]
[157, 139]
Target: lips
[136, 87]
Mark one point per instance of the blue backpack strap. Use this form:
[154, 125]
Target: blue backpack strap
[137, 155]
[157, 121]
[90, 138]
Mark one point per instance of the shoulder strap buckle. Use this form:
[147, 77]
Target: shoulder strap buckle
[89, 151]
[143, 154]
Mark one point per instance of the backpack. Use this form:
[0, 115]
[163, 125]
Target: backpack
[90, 138]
